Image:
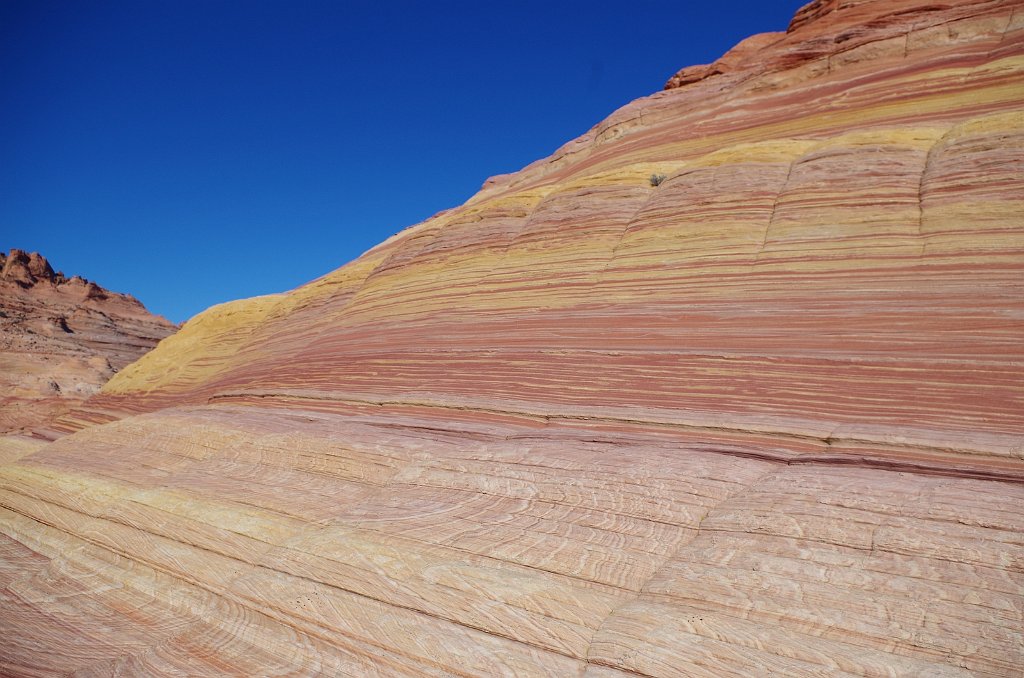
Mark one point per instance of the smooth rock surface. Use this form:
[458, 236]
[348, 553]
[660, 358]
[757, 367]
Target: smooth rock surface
[764, 418]
[61, 339]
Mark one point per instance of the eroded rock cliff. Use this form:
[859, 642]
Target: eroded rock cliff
[61, 339]
[762, 418]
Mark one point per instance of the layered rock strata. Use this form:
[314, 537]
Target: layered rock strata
[61, 339]
[762, 417]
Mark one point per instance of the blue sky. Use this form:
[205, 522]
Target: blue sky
[191, 152]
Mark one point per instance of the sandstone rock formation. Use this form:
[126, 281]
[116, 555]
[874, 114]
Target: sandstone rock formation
[61, 339]
[764, 418]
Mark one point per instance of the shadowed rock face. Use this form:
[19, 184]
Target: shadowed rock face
[61, 339]
[764, 418]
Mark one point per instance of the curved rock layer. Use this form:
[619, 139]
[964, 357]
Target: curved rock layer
[762, 417]
[61, 339]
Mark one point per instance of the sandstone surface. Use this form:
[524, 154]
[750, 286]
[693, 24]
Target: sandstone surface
[765, 417]
[61, 339]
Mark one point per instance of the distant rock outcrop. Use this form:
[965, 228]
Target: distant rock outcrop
[61, 339]
[764, 417]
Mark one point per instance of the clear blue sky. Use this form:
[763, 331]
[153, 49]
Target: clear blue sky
[190, 152]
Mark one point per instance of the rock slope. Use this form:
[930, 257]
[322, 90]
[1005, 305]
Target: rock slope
[762, 418]
[61, 339]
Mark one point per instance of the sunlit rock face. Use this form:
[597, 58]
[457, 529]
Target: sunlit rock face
[763, 416]
[61, 339]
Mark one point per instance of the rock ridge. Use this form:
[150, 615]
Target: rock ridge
[61, 339]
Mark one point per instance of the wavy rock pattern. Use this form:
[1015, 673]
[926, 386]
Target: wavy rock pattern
[764, 418]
